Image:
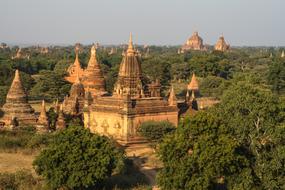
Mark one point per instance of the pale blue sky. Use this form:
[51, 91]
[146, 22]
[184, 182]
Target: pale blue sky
[243, 22]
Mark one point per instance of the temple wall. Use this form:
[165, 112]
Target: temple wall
[122, 127]
[110, 124]
[172, 117]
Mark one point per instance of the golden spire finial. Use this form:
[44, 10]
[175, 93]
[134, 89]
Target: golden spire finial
[93, 50]
[43, 104]
[17, 76]
[130, 50]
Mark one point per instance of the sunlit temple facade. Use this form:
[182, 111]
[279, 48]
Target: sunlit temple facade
[132, 103]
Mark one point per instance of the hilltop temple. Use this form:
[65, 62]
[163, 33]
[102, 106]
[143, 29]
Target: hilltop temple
[195, 42]
[221, 45]
[132, 103]
[17, 109]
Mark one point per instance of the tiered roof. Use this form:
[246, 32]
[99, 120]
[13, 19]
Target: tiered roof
[193, 85]
[93, 77]
[130, 74]
[74, 69]
[17, 105]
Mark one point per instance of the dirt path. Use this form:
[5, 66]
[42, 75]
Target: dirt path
[145, 159]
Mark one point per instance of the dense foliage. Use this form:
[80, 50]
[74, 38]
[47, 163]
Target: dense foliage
[78, 159]
[155, 130]
[24, 138]
[239, 144]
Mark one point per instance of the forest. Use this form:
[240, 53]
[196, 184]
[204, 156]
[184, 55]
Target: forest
[237, 144]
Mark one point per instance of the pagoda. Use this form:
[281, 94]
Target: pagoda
[43, 123]
[74, 103]
[17, 107]
[221, 45]
[93, 78]
[195, 42]
[74, 69]
[60, 123]
[193, 85]
[119, 115]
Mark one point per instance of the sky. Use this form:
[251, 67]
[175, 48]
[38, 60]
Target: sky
[152, 22]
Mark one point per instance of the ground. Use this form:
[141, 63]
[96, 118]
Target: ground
[145, 159]
[143, 156]
[12, 162]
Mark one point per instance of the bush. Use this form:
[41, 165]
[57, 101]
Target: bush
[77, 159]
[22, 138]
[22, 179]
[155, 130]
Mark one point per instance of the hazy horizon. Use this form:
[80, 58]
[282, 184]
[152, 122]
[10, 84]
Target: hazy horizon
[152, 22]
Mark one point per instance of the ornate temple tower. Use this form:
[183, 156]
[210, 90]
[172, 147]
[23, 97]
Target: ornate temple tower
[195, 42]
[93, 77]
[193, 86]
[130, 74]
[74, 69]
[131, 104]
[221, 45]
[17, 106]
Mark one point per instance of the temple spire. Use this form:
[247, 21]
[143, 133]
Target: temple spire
[76, 62]
[17, 76]
[130, 50]
[193, 85]
[283, 54]
[43, 119]
[93, 50]
[172, 98]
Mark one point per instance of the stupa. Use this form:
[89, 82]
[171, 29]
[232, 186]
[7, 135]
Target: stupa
[120, 114]
[93, 78]
[60, 123]
[74, 69]
[17, 106]
[221, 45]
[193, 85]
[43, 123]
[195, 42]
[283, 54]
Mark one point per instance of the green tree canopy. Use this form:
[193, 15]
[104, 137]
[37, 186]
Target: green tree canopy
[77, 159]
[239, 144]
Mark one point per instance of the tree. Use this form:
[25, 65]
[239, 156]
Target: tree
[239, 144]
[155, 130]
[50, 85]
[77, 159]
[276, 76]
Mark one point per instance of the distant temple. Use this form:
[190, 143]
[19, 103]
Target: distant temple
[195, 42]
[20, 55]
[17, 110]
[221, 45]
[133, 102]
